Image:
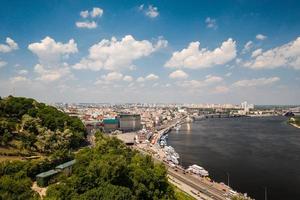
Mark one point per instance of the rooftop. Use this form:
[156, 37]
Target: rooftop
[66, 164]
[47, 173]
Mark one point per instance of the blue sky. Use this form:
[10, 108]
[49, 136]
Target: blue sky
[151, 51]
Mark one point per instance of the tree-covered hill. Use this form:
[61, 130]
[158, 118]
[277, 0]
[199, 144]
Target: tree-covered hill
[111, 170]
[33, 127]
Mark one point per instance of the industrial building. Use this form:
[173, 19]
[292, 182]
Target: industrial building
[129, 122]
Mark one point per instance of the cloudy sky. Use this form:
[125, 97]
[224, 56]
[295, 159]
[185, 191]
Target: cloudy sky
[152, 51]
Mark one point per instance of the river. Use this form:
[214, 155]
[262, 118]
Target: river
[255, 152]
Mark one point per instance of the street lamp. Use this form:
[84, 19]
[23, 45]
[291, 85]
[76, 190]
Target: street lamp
[228, 179]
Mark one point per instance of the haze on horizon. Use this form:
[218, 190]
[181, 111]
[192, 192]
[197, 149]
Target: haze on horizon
[152, 51]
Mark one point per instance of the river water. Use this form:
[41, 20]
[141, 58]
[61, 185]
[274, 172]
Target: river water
[255, 152]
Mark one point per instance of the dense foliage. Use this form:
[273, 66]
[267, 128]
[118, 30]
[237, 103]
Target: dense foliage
[16, 177]
[295, 120]
[28, 125]
[113, 171]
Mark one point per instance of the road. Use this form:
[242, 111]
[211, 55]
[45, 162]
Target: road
[198, 185]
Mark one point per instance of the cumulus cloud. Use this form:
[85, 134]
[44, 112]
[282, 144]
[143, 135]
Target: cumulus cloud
[194, 58]
[19, 79]
[178, 74]
[151, 77]
[256, 53]
[209, 80]
[256, 82]
[247, 47]
[9, 46]
[51, 55]
[220, 90]
[23, 72]
[84, 13]
[96, 12]
[287, 55]
[51, 52]
[151, 11]
[128, 78]
[113, 77]
[89, 16]
[140, 79]
[116, 55]
[261, 37]
[51, 74]
[211, 23]
[87, 24]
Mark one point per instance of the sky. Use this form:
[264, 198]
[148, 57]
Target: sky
[167, 51]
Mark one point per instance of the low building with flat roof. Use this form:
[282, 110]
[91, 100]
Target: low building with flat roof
[44, 178]
[66, 167]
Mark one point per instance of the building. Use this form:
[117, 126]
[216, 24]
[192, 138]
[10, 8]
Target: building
[43, 179]
[129, 122]
[110, 125]
[66, 168]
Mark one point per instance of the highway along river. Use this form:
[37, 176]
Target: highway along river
[254, 152]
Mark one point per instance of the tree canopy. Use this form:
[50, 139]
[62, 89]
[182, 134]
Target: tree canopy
[37, 127]
[113, 171]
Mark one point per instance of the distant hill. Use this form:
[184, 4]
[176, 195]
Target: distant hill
[28, 127]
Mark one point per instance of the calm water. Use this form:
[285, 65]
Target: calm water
[256, 152]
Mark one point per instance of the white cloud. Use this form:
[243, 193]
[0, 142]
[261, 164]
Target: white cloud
[87, 24]
[220, 90]
[151, 77]
[113, 76]
[152, 11]
[247, 47]
[256, 82]
[140, 79]
[19, 79]
[128, 78]
[195, 58]
[287, 55]
[51, 52]
[141, 7]
[50, 75]
[211, 23]
[51, 55]
[116, 55]
[209, 80]
[84, 14]
[2, 63]
[178, 74]
[9, 46]
[256, 53]
[23, 72]
[261, 37]
[213, 79]
[96, 12]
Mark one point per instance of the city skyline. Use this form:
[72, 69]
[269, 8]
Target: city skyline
[183, 52]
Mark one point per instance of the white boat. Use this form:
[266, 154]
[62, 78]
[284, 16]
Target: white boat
[196, 169]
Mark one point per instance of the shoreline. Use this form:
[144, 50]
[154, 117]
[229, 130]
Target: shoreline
[294, 125]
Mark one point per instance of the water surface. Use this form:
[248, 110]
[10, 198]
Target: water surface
[256, 152]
